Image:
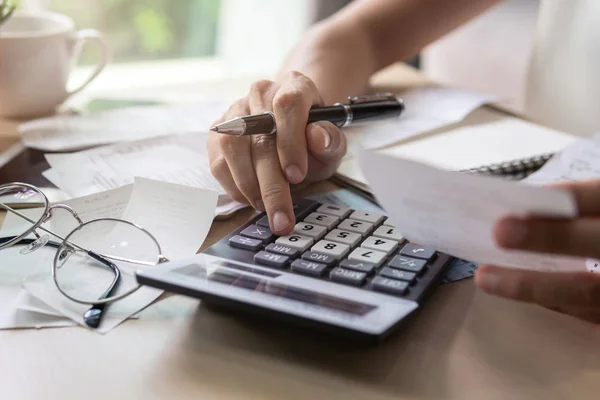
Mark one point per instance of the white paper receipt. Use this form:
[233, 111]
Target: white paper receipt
[455, 213]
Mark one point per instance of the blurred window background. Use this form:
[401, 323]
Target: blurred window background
[252, 37]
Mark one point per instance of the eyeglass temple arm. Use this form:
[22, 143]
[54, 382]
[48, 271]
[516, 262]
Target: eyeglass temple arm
[93, 316]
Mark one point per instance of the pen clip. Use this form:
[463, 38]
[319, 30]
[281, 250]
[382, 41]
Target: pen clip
[372, 97]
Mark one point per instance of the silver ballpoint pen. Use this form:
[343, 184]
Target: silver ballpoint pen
[361, 108]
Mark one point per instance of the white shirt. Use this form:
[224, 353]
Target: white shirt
[541, 58]
[563, 81]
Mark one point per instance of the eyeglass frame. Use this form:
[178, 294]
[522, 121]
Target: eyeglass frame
[45, 217]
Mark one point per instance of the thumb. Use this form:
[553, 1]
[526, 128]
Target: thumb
[326, 148]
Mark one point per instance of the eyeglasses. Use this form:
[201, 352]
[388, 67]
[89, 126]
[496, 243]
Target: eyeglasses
[93, 263]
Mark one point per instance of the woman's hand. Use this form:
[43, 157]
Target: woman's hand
[573, 293]
[258, 170]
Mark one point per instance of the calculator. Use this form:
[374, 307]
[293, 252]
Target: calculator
[343, 270]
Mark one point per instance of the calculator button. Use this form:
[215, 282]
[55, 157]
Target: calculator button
[398, 274]
[308, 267]
[345, 237]
[359, 266]
[347, 276]
[245, 243]
[388, 222]
[333, 209]
[300, 242]
[408, 264]
[264, 221]
[314, 231]
[318, 257]
[412, 250]
[302, 207]
[388, 232]
[329, 221]
[368, 255]
[391, 286]
[258, 232]
[355, 226]
[375, 243]
[367, 216]
[289, 251]
[336, 250]
[272, 260]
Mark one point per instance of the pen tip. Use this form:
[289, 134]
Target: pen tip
[214, 129]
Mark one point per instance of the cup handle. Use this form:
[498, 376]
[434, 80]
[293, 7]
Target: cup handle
[88, 36]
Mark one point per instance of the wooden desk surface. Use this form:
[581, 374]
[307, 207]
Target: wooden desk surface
[463, 344]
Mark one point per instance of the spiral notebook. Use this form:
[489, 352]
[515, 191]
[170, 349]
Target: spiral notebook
[517, 169]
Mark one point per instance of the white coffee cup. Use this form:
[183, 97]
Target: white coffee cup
[37, 53]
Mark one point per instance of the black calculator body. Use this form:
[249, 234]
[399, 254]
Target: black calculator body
[347, 271]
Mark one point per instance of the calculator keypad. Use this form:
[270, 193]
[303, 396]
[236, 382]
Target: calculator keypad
[336, 243]
[391, 286]
[388, 232]
[345, 237]
[321, 258]
[270, 259]
[367, 216]
[366, 255]
[336, 250]
[328, 221]
[245, 243]
[258, 232]
[333, 209]
[308, 267]
[350, 277]
[291, 252]
[353, 225]
[408, 264]
[299, 242]
[412, 250]
[375, 243]
[314, 231]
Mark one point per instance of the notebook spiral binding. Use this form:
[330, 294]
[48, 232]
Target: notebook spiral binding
[514, 169]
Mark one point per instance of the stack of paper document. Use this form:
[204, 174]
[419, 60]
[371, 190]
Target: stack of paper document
[178, 216]
[164, 142]
[75, 132]
[455, 212]
[179, 159]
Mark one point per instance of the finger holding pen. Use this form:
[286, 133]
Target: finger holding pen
[231, 161]
[258, 169]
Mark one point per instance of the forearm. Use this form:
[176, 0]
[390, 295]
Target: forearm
[341, 53]
[337, 58]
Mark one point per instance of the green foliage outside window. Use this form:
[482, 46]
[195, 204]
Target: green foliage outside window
[147, 29]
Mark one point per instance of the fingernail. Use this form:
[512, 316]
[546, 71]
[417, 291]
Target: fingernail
[280, 221]
[325, 136]
[260, 205]
[293, 174]
[512, 233]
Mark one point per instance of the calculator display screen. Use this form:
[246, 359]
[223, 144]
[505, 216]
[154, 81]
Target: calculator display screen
[271, 287]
